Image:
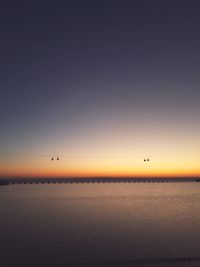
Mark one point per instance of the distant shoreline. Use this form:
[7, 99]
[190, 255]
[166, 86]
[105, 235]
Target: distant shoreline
[4, 182]
[94, 180]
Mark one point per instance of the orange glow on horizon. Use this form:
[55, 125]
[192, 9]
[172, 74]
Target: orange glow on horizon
[101, 169]
[107, 162]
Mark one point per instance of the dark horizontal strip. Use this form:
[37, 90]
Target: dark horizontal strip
[95, 180]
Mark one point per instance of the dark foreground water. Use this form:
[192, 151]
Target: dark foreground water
[100, 225]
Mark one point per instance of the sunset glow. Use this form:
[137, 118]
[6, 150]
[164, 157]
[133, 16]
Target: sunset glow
[126, 91]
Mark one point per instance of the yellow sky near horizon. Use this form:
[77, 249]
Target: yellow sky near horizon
[110, 148]
[100, 166]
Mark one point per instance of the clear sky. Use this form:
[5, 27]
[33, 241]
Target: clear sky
[102, 85]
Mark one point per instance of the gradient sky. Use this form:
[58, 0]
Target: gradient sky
[102, 84]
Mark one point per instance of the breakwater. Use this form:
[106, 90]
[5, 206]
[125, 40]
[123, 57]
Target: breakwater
[95, 180]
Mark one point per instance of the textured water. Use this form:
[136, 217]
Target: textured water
[100, 225]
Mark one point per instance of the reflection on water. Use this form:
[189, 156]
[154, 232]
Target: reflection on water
[100, 224]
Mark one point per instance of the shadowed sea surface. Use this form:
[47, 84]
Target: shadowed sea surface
[151, 224]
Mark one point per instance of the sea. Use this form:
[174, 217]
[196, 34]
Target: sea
[108, 224]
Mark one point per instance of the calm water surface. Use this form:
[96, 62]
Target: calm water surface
[100, 224]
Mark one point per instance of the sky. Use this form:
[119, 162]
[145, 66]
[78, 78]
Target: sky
[102, 85]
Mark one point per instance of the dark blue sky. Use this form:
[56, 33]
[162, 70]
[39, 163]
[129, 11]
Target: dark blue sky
[71, 67]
